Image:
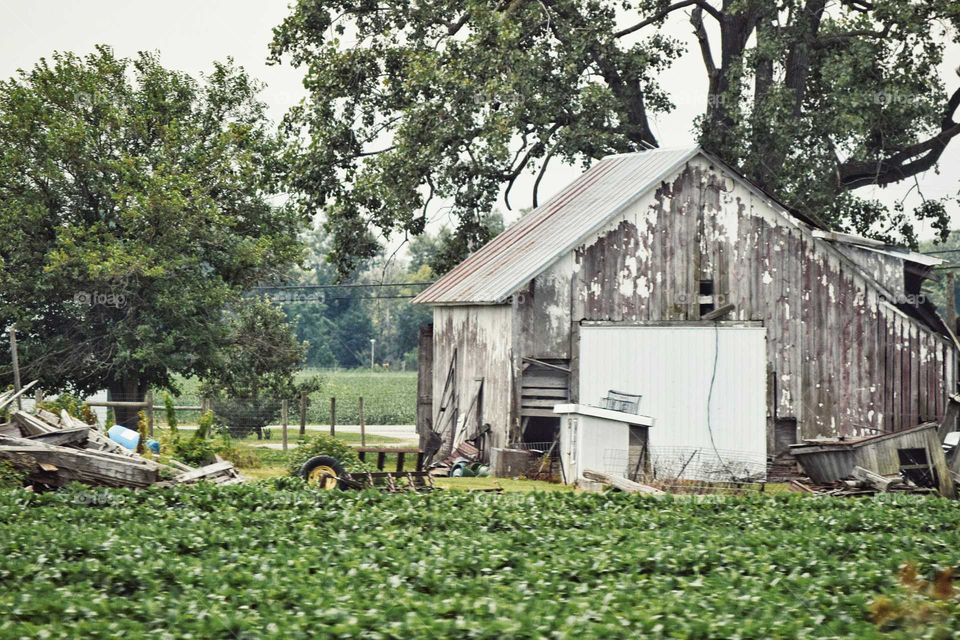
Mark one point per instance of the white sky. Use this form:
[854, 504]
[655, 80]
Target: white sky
[190, 35]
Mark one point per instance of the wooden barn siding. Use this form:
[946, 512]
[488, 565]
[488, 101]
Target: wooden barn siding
[482, 337]
[843, 361]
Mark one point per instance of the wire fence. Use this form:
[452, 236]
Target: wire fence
[261, 417]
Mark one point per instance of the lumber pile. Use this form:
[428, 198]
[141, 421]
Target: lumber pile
[862, 482]
[54, 450]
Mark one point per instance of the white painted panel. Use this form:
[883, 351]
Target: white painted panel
[672, 368]
[594, 443]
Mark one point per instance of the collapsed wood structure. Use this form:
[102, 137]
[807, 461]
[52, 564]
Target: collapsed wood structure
[914, 454]
[673, 237]
[55, 450]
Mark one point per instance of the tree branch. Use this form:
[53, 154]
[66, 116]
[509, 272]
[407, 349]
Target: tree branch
[834, 38]
[696, 19]
[516, 171]
[543, 170]
[657, 17]
[907, 162]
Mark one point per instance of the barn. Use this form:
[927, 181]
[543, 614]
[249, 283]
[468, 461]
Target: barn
[743, 326]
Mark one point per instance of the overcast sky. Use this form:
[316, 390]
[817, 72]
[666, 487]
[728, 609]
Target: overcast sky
[189, 35]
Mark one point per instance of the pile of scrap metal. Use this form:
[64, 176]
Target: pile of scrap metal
[462, 461]
[913, 460]
[54, 450]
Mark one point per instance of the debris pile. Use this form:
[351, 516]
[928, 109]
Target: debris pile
[54, 450]
[909, 460]
[863, 482]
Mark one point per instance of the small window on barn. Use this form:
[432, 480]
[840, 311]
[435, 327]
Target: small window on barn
[707, 300]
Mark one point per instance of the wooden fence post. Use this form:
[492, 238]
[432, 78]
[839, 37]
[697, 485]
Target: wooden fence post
[284, 407]
[303, 413]
[150, 413]
[363, 427]
[15, 361]
[333, 417]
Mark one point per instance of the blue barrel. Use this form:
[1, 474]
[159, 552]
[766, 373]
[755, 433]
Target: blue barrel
[124, 437]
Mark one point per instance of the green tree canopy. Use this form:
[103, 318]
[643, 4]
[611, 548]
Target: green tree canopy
[135, 205]
[411, 102]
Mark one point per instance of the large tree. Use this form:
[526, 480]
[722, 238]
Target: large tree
[135, 206]
[455, 100]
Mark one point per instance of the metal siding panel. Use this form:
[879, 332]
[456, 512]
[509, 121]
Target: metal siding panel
[671, 367]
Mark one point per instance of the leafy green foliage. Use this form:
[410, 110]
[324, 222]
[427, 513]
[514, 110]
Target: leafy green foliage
[255, 371]
[68, 402]
[446, 249]
[412, 104]
[170, 412]
[134, 208]
[324, 445]
[10, 476]
[197, 448]
[280, 559]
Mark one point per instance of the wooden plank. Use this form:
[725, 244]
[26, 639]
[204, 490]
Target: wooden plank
[31, 425]
[875, 480]
[210, 470]
[12, 397]
[50, 418]
[546, 365]
[538, 381]
[10, 429]
[545, 393]
[74, 464]
[62, 437]
[539, 403]
[627, 486]
[537, 413]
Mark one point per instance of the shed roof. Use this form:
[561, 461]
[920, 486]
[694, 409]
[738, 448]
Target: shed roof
[536, 240]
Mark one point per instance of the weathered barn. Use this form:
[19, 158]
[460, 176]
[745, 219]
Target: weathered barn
[663, 238]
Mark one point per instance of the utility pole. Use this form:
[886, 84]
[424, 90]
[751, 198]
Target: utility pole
[373, 342]
[951, 301]
[15, 360]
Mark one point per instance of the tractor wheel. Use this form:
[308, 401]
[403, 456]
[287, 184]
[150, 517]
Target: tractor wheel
[323, 472]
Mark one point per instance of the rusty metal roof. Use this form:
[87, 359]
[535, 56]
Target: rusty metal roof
[550, 231]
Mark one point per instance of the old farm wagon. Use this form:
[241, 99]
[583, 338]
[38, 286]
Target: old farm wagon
[744, 326]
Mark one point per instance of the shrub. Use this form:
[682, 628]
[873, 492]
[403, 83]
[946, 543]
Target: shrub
[324, 445]
[244, 416]
[64, 402]
[197, 449]
[168, 408]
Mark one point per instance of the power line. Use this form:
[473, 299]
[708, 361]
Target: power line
[282, 287]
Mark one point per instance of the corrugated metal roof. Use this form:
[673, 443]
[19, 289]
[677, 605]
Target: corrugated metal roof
[538, 239]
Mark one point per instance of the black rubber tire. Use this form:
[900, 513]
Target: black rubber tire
[323, 461]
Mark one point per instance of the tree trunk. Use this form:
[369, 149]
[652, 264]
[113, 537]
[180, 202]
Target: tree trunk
[127, 389]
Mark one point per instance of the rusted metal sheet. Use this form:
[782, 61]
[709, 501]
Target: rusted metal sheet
[534, 242]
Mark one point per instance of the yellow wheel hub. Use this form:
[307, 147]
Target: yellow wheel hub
[324, 477]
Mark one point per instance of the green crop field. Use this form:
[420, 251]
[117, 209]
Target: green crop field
[275, 560]
[389, 397]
